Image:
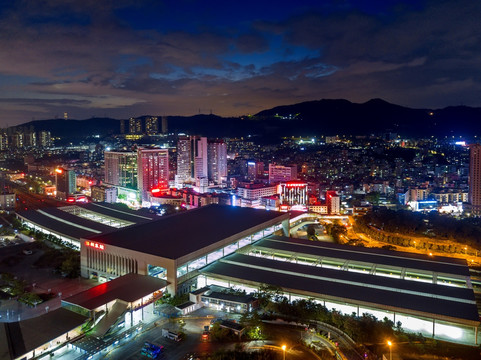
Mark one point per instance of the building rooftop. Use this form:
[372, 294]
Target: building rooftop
[119, 211]
[180, 234]
[438, 264]
[128, 288]
[345, 286]
[66, 221]
[242, 299]
[63, 223]
[19, 338]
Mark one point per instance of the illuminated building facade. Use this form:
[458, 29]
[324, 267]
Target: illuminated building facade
[293, 193]
[65, 181]
[279, 173]
[225, 229]
[255, 170]
[135, 126]
[121, 168]
[152, 125]
[152, 170]
[255, 191]
[333, 202]
[475, 179]
[191, 158]
[217, 161]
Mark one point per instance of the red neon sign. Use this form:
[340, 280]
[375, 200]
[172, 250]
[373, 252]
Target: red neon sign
[95, 245]
[296, 185]
[58, 171]
[153, 191]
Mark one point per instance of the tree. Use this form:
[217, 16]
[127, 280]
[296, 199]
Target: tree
[311, 232]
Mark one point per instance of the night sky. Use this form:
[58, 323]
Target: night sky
[121, 59]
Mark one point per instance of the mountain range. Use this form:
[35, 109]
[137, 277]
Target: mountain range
[320, 117]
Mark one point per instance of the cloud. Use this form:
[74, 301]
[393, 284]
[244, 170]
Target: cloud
[118, 56]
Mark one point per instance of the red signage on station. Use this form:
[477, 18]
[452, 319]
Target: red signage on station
[95, 245]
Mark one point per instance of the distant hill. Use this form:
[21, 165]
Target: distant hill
[331, 117]
[320, 117]
[76, 128]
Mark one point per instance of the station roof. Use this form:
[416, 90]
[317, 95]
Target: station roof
[438, 264]
[128, 288]
[180, 234]
[119, 211]
[63, 223]
[348, 286]
[19, 338]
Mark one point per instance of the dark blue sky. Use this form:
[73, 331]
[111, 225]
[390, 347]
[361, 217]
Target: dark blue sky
[123, 58]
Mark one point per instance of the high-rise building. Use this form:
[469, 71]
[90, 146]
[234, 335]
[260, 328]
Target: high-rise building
[475, 179]
[255, 170]
[279, 173]
[135, 126]
[217, 161]
[121, 168]
[152, 125]
[183, 159]
[165, 125]
[191, 158]
[3, 141]
[65, 181]
[199, 148]
[333, 202]
[44, 138]
[153, 170]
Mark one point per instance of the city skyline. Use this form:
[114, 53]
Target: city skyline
[125, 59]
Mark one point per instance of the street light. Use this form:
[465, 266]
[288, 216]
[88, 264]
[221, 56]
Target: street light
[389, 343]
[284, 351]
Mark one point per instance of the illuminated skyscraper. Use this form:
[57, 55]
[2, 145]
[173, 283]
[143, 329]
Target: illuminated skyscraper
[475, 179]
[65, 182]
[255, 170]
[217, 160]
[191, 158]
[121, 169]
[135, 126]
[153, 170]
[152, 125]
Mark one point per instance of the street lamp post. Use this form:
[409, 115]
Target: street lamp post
[389, 343]
[284, 352]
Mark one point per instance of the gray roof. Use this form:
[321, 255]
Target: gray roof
[180, 234]
[439, 264]
[19, 338]
[77, 227]
[119, 211]
[128, 288]
[60, 227]
[348, 286]
[243, 299]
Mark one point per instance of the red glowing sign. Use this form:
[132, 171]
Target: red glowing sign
[296, 185]
[95, 245]
[154, 191]
[59, 171]
[70, 199]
